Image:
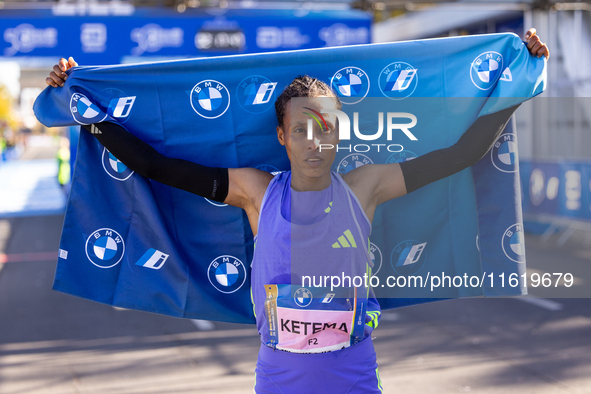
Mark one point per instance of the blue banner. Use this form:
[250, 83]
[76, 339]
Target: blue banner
[135, 243]
[106, 37]
[557, 188]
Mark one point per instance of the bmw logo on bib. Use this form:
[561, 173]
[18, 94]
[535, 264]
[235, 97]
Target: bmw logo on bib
[227, 274]
[513, 244]
[486, 70]
[504, 153]
[352, 161]
[399, 157]
[408, 257]
[114, 167]
[105, 248]
[351, 84]
[84, 111]
[303, 297]
[398, 80]
[210, 99]
[256, 94]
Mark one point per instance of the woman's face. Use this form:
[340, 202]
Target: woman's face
[309, 157]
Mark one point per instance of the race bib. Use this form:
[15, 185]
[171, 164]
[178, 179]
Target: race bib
[313, 320]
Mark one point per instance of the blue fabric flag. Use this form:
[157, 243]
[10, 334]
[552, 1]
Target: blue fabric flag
[135, 243]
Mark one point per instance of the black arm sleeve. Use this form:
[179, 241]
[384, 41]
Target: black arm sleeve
[204, 181]
[470, 148]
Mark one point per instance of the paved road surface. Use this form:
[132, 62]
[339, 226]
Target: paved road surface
[55, 343]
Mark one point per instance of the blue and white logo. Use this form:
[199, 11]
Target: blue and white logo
[399, 157]
[153, 37]
[513, 244]
[376, 256]
[118, 103]
[120, 107]
[256, 94]
[114, 167]
[84, 111]
[303, 297]
[210, 99]
[105, 248]
[25, 37]
[408, 257]
[352, 161]
[398, 80]
[351, 84]
[227, 274]
[153, 259]
[504, 153]
[486, 70]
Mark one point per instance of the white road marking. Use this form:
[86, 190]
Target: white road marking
[203, 325]
[542, 303]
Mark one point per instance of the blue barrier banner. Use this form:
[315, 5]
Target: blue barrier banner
[135, 243]
[110, 38]
[558, 188]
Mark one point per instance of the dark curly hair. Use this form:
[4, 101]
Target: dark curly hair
[302, 86]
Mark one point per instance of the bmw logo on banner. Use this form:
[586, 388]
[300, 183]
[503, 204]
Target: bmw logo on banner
[513, 244]
[114, 167]
[408, 257]
[352, 161]
[351, 84]
[504, 153]
[486, 69]
[303, 297]
[227, 274]
[398, 80]
[105, 248]
[256, 94]
[84, 111]
[210, 99]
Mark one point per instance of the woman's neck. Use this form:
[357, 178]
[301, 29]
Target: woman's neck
[303, 183]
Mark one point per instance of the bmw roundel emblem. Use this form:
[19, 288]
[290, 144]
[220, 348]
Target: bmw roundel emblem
[114, 167]
[513, 243]
[256, 94]
[210, 99]
[226, 274]
[303, 297]
[486, 70]
[351, 84]
[398, 80]
[85, 111]
[105, 248]
[352, 161]
[504, 153]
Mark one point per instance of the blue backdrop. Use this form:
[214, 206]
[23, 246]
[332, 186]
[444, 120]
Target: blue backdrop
[135, 243]
[109, 35]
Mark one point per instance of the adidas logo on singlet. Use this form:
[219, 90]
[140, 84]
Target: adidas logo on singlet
[342, 241]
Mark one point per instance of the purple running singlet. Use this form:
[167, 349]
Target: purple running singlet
[314, 339]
